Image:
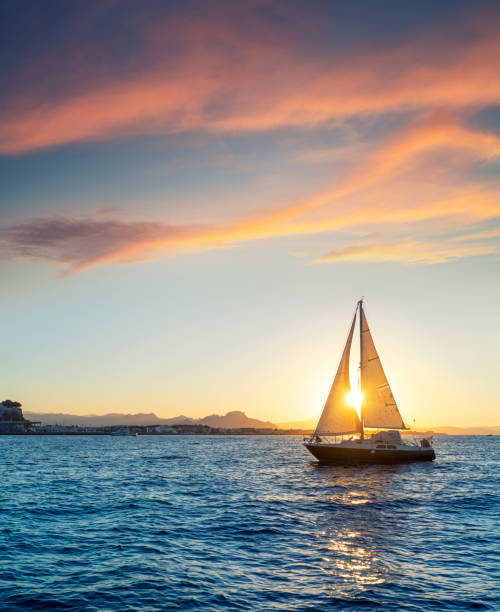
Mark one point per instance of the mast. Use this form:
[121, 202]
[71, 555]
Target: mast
[360, 304]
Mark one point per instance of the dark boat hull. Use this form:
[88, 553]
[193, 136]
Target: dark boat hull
[335, 455]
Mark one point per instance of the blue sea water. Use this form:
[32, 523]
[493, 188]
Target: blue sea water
[245, 523]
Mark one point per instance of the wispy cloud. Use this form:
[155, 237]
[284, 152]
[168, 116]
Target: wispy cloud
[407, 251]
[490, 234]
[229, 78]
[232, 71]
[383, 187]
[80, 243]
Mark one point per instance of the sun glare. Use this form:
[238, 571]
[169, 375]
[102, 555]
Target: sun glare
[354, 398]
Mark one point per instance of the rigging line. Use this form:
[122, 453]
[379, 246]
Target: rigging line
[360, 304]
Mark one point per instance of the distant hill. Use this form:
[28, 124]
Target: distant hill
[468, 431]
[307, 424]
[232, 420]
[94, 420]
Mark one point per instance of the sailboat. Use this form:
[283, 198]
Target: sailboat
[378, 410]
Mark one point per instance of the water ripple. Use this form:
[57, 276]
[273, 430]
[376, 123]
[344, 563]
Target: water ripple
[244, 523]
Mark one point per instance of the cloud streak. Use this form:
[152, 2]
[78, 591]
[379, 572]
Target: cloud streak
[226, 78]
[80, 243]
[375, 191]
[238, 71]
[406, 251]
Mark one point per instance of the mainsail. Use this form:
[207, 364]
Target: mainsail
[379, 407]
[338, 417]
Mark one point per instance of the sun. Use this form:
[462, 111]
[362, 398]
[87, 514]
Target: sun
[354, 398]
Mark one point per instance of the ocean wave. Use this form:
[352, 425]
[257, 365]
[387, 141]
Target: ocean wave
[244, 523]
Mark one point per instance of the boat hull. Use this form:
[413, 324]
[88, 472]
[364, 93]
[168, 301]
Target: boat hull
[337, 454]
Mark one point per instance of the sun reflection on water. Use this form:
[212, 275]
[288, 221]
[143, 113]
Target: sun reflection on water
[355, 537]
[351, 566]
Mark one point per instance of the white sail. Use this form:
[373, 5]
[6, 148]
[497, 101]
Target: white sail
[379, 407]
[338, 417]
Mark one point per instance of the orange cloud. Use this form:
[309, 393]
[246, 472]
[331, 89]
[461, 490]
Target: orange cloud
[484, 235]
[227, 79]
[378, 190]
[407, 251]
[395, 157]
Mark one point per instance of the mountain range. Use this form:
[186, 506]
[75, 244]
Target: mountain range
[231, 420]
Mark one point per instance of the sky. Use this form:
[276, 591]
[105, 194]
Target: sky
[194, 195]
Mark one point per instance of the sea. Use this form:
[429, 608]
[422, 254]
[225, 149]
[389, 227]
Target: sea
[244, 523]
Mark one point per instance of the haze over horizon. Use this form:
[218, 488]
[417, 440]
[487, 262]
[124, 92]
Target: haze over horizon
[194, 196]
[232, 419]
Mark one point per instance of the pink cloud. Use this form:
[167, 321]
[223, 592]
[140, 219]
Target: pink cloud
[80, 243]
[378, 189]
[229, 78]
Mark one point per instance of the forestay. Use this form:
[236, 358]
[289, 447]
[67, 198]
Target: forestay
[338, 416]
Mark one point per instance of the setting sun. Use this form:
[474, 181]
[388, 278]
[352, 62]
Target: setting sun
[354, 398]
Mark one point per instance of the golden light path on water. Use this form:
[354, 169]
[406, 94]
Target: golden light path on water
[354, 557]
[357, 566]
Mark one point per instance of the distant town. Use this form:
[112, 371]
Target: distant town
[205, 430]
[14, 422]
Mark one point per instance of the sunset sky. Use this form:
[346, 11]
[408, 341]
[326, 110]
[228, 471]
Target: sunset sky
[194, 195]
